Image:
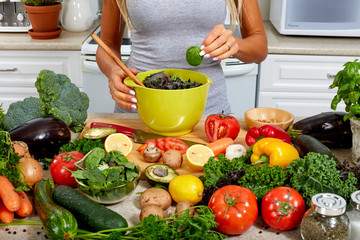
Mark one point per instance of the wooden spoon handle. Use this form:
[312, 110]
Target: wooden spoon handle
[116, 59]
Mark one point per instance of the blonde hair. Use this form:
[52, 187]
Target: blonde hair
[234, 9]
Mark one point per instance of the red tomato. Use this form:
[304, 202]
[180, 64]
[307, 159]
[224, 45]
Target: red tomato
[235, 208]
[60, 175]
[282, 208]
[175, 143]
[160, 143]
[220, 126]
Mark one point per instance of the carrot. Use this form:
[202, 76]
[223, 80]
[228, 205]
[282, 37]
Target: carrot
[6, 216]
[25, 207]
[8, 194]
[219, 146]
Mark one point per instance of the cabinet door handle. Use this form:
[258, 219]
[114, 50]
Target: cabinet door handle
[9, 69]
[329, 75]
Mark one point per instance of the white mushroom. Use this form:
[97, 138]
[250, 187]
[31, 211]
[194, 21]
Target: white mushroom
[235, 151]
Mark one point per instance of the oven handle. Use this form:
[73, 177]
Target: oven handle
[240, 69]
[91, 65]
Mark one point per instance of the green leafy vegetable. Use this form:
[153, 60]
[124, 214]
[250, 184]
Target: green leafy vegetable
[2, 115]
[162, 81]
[8, 160]
[82, 145]
[348, 83]
[179, 226]
[316, 173]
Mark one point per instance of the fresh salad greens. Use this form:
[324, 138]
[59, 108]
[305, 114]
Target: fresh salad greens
[162, 81]
[179, 226]
[103, 170]
[82, 145]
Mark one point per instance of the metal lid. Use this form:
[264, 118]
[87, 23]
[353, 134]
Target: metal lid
[328, 204]
[355, 200]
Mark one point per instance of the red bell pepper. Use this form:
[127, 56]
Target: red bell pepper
[271, 131]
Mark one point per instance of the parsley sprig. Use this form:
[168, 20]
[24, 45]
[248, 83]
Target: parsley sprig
[179, 226]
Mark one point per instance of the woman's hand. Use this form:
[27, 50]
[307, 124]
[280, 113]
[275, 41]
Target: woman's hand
[123, 95]
[219, 44]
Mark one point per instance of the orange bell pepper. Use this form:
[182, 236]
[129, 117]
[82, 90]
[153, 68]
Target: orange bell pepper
[274, 152]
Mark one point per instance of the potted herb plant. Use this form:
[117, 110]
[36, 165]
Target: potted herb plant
[348, 83]
[44, 18]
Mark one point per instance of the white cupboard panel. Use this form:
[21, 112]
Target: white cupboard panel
[300, 73]
[299, 104]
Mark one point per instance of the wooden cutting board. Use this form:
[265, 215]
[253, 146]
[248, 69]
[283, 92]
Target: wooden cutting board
[197, 135]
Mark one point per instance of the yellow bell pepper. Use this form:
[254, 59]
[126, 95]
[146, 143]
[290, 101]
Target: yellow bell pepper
[273, 151]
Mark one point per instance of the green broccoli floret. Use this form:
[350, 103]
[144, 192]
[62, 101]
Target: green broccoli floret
[61, 98]
[22, 111]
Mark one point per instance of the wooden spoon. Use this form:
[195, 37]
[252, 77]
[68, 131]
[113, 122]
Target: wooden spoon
[116, 59]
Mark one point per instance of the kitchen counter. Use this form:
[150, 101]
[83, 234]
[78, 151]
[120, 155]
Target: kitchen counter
[130, 208]
[310, 45]
[66, 41]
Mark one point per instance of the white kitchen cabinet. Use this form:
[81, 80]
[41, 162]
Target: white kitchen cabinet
[299, 83]
[19, 70]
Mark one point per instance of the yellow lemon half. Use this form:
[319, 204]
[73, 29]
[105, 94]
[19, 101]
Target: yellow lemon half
[186, 187]
[197, 155]
[120, 142]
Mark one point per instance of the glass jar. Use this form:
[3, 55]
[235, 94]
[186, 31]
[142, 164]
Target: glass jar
[326, 219]
[354, 215]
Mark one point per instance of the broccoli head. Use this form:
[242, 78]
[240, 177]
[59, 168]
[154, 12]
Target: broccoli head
[22, 111]
[61, 98]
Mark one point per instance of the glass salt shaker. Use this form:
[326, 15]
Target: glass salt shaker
[354, 215]
[326, 219]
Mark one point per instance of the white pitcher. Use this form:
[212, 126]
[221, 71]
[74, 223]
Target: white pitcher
[77, 15]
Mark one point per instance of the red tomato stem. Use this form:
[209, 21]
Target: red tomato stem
[284, 207]
[231, 202]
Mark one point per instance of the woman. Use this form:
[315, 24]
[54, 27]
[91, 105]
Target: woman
[163, 30]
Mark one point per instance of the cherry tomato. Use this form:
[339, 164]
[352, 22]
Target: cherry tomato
[175, 143]
[166, 143]
[220, 126]
[282, 208]
[235, 208]
[60, 175]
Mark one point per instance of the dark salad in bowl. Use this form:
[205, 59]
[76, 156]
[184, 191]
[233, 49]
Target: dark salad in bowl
[162, 81]
[106, 178]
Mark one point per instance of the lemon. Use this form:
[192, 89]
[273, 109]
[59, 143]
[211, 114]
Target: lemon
[120, 142]
[186, 188]
[197, 155]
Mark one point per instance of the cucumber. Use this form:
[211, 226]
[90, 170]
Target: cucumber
[90, 215]
[58, 222]
[306, 143]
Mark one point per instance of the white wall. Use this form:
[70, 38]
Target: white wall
[264, 8]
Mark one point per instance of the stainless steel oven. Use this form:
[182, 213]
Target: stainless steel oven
[241, 80]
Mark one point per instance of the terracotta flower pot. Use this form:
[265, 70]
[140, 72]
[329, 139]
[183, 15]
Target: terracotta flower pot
[44, 18]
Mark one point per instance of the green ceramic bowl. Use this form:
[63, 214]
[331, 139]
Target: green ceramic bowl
[171, 112]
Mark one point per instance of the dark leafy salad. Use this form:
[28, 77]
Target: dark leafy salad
[103, 175]
[162, 81]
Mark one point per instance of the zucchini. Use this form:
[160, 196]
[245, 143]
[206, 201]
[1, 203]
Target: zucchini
[90, 215]
[306, 143]
[58, 222]
[44, 136]
[327, 127]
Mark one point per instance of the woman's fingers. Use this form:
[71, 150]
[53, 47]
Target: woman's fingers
[123, 95]
[219, 44]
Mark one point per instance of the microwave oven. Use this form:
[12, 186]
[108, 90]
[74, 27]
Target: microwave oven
[336, 18]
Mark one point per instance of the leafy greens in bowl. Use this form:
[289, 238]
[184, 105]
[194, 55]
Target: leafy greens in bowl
[106, 178]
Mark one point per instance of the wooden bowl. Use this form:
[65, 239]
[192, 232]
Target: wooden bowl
[257, 117]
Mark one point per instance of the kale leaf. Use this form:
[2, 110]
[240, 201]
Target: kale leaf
[316, 173]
